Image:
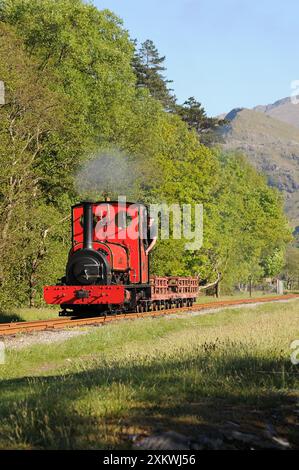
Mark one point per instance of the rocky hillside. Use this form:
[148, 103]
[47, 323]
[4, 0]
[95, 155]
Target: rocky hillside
[272, 145]
[283, 110]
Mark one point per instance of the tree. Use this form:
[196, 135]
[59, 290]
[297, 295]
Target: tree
[31, 114]
[193, 113]
[273, 263]
[247, 223]
[291, 267]
[90, 54]
[149, 67]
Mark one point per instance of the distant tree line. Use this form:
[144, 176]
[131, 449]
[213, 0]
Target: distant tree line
[76, 86]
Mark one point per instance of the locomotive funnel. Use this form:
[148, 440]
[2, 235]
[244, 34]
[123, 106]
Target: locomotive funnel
[87, 225]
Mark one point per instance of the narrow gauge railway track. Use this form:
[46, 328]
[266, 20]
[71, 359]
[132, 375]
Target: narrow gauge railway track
[14, 328]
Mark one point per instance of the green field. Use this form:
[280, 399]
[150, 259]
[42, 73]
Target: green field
[139, 377]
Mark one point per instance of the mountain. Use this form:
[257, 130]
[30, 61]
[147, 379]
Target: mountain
[284, 110]
[271, 145]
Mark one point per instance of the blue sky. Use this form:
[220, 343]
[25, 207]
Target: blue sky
[226, 53]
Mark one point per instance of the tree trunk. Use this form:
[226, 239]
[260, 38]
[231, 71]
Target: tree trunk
[250, 286]
[217, 290]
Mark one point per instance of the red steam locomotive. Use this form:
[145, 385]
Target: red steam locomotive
[108, 264]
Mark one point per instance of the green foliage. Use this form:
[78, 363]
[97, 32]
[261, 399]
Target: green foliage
[32, 114]
[291, 267]
[273, 263]
[149, 68]
[69, 86]
[193, 113]
[90, 54]
[250, 226]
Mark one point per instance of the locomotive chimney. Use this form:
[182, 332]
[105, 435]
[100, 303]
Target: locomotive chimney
[87, 225]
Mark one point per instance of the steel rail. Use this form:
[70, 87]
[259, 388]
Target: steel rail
[14, 328]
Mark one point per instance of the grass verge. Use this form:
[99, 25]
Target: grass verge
[28, 314]
[44, 313]
[180, 374]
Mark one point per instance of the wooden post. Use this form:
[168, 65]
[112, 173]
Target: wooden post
[217, 289]
[2, 93]
[250, 286]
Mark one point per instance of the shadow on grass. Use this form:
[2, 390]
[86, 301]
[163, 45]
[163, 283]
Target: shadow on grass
[6, 317]
[44, 412]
